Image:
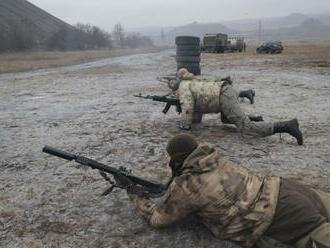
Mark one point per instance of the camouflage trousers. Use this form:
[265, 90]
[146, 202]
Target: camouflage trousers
[234, 114]
[318, 238]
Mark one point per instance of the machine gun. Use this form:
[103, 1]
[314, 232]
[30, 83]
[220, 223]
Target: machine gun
[147, 188]
[169, 102]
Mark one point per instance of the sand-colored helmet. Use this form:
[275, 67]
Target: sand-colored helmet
[182, 73]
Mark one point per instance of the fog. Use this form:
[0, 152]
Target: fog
[164, 13]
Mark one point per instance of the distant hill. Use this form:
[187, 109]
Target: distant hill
[309, 30]
[293, 27]
[23, 14]
[267, 23]
[199, 29]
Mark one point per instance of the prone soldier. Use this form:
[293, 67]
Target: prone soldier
[234, 204]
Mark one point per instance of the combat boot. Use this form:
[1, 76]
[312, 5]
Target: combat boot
[291, 127]
[249, 94]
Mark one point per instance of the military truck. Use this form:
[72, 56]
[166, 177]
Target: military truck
[214, 43]
[236, 44]
[220, 43]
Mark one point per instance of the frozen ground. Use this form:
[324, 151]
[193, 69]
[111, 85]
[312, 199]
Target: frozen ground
[89, 109]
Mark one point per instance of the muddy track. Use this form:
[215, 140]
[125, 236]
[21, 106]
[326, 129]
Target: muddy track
[89, 109]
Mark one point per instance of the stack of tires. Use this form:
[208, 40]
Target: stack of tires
[188, 51]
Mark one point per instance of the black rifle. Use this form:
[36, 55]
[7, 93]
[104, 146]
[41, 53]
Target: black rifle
[150, 189]
[166, 79]
[169, 102]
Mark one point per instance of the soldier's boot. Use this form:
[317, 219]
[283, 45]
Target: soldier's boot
[291, 127]
[255, 118]
[249, 94]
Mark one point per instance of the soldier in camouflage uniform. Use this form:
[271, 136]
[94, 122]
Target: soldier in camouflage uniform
[235, 205]
[198, 97]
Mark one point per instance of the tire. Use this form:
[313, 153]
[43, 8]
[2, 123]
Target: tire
[188, 47]
[187, 64]
[189, 59]
[188, 52]
[187, 40]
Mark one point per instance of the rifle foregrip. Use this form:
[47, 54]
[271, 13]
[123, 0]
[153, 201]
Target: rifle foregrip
[59, 153]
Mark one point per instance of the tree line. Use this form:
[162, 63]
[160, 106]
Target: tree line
[26, 36]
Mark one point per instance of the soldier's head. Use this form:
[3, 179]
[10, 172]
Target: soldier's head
[182, 72]
[179, 148]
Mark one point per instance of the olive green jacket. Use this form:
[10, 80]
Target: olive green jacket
[232, 203]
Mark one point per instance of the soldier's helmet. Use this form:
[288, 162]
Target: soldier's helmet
[181, 145]
[179, 148]
[182, 73]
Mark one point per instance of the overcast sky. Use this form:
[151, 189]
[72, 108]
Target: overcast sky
[164, 13]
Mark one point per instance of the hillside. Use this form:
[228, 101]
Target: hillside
[22, 14]
[293, 27]
[309, 30]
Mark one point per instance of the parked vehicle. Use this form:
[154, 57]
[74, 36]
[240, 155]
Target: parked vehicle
[235, 44]
[270, 47]
[215, 43]
[220, 43]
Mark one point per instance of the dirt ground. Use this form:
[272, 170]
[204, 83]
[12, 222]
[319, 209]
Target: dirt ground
[89, 109]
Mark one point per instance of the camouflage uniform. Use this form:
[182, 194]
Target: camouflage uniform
[231, 202]
[198, 97]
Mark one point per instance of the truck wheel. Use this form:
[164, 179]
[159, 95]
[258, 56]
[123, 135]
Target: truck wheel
[187, 40]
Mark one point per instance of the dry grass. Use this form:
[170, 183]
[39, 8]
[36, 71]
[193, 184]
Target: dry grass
[310, 55]
[7, 214]
[24, 61]
[32, 244]
[313, 56]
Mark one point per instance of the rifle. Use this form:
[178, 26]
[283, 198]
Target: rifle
[148, 188]
[169, 102]
[166, 79]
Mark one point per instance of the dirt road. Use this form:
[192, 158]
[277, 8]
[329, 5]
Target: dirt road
[89, 109]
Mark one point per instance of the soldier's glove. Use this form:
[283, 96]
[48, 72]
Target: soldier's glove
[182, 126]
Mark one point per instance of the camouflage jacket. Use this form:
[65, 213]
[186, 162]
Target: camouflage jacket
[232, 203]
[198, 96]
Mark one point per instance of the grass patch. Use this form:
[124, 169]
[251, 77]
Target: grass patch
[25, 61]
[312, 56]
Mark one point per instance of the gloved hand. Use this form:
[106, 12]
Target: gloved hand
[182, 126]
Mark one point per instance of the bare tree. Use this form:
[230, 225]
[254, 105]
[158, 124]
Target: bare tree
[118, 34]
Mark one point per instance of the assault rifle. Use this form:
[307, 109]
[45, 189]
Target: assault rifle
[169, 102]
[166, 79]
[148, 188]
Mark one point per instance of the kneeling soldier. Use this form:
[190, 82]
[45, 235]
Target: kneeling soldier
[198, 97]
[236, 205]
